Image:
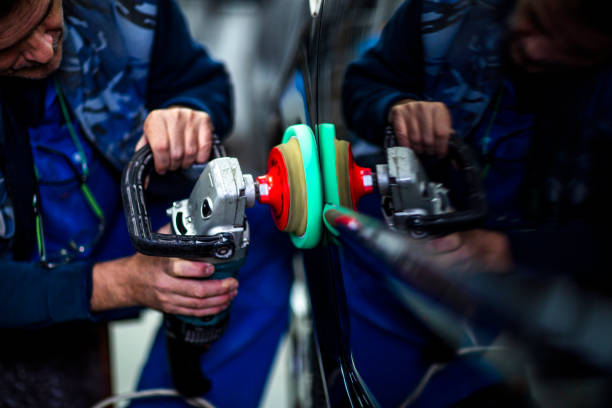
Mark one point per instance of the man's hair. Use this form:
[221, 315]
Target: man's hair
[596, 14]
[7, 7]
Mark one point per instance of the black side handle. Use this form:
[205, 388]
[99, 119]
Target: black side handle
[148, 242]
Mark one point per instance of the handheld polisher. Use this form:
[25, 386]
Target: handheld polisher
[410, 200]
[211, 226]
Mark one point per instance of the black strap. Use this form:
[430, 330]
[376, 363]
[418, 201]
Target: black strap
[17, 165]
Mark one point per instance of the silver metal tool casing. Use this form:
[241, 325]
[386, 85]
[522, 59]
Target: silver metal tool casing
[217, 204]
[406, 189]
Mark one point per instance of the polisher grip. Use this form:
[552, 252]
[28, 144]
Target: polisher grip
[148, 242]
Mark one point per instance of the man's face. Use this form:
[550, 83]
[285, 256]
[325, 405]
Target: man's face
[544, 36]
[31, 39]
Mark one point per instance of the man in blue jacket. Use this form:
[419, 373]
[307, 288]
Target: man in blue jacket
[527, 84]
[82, 83]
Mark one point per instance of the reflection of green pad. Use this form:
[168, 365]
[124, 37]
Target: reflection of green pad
[335, 161]
[327, 142]
[342, 173]
[314, 193]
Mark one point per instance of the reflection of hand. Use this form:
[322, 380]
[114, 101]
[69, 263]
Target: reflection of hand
[477, 248]
[422, 126]
[178, 137]
[170, 285]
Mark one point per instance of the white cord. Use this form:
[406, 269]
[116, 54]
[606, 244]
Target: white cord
[436, 367]
[479, 349]
[157, 392]
[470, 333]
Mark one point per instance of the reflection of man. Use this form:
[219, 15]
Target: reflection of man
[511, 79]
[527, 84]
[81, 82]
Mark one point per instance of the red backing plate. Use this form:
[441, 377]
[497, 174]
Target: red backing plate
[360, 179]
[274, 188]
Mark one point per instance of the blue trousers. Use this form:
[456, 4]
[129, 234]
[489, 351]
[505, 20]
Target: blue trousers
[392, 346]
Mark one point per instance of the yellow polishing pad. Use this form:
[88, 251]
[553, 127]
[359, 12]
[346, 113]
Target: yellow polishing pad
[298, 206]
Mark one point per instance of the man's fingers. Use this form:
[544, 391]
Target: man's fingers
[426, 127]
[155, 133]
[166, 229]
[450, 251]
[401, 131]
[182, 268]
[175, 132]
[205, 131]
[407, 128]
[178, 137]
[442, 129]
[204, 288]
[161, 154]
[191, 144]
[414, 134]
[476, 249]
[422, 126]
[461, 258]
[205, 303]
[141, 142]
[444, 244]
[185, 311]
[204, 142]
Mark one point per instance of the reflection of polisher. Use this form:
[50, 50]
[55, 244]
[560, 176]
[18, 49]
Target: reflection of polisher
[211, 226]
[410, 201]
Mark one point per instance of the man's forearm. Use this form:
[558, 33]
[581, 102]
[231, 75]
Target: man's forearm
[110, 285]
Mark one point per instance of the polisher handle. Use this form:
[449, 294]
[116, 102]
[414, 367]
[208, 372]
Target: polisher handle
[148, 242]
[476, 211]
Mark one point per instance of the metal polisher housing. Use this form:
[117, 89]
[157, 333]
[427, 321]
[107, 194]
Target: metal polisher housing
[406, 189]
[217, 205]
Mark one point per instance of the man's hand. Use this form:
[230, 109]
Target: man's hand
[170, 285]
[178, 137]
[472, 249]
[425, 127]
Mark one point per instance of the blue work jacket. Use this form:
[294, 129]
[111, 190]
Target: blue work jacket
[118, 64]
